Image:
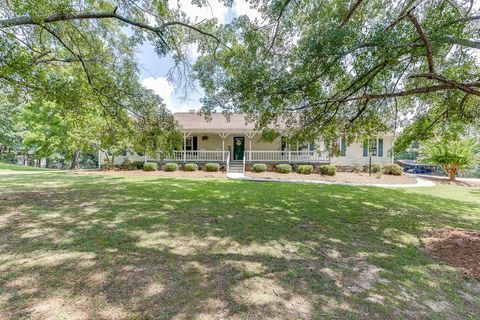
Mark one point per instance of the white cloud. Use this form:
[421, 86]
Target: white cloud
[242, 7]
[215, 9]
[165, 89]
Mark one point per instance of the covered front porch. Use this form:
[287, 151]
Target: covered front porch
[223, 146]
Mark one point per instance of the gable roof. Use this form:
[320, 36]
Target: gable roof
[218, 122]
[189, 121]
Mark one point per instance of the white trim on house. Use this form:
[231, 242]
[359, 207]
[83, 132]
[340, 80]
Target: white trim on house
[213, 141]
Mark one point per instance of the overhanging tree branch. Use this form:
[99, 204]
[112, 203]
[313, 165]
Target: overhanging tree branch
[27, 20]
[423, 37]
[277, 25]
[461, 42]
[350, 13]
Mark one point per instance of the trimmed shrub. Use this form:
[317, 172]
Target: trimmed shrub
[328, 170]
[376, 168]
[283, 168]
[126, 164]
[170, 167]
[357, 168]
[136, 165]
[212, 167]
[392, 169]
[191, 167]
[105, 166]
[150, 166]
[305, 169]
[259, 167]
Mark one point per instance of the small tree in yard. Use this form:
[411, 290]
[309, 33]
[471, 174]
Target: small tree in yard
[451, 155]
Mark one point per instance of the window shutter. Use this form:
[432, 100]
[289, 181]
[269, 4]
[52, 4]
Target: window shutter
[195, 143]
[380, 147]
[343, 147]
[365, 148]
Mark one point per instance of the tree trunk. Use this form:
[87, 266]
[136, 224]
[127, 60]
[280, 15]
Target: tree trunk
[452, 174]
[451, 171]
[75, 160]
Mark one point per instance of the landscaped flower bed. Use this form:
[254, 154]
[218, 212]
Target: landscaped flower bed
[348, 177]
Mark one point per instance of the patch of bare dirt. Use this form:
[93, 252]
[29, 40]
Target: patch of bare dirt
[348, 177]
[161, 174]
[459, 248]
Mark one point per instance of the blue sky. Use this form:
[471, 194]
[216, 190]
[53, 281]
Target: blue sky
[154, 69]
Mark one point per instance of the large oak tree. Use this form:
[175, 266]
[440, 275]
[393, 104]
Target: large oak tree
[343, 66]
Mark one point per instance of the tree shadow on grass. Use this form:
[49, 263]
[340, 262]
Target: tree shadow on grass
[104, 247]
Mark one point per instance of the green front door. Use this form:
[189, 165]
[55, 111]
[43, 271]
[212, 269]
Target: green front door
[238, 148]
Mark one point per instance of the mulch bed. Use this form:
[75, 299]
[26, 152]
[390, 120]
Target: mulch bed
[344, 177]
[458, 182]
[459, 248]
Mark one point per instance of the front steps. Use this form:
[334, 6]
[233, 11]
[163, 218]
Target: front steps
[236, 167]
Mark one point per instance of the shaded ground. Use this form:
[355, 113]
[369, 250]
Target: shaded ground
[107, 247]
[160, 174]
[460, 248]
[8, 166]
[349, 177]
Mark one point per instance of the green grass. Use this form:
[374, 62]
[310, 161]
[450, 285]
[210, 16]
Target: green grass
[143, 247]
[8, 166]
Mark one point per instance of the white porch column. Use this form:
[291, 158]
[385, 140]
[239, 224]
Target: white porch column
[185, 136]
[250, 136]
[223, 135]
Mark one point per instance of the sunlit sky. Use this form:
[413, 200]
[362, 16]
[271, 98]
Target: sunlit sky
[154, 69]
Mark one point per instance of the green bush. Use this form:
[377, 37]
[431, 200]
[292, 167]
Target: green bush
[170, 167]
[150, 166]
[283, 168]
[136, 165]
[392, 169]
[305, 169]
[259, 167]
[212, 167]
[106, 166]
[357, 168]
[328, 170]
[376, 168]
[191, 167]
[126, 164]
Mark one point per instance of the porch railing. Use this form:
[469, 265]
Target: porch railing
[200, 155]
[286, 156]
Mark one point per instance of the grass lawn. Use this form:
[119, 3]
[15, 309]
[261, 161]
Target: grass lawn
[8, 166]
[78, 246]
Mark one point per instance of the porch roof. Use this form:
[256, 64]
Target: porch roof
[216, 122]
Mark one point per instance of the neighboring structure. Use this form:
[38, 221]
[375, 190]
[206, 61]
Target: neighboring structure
[221, 139]
[412, 166]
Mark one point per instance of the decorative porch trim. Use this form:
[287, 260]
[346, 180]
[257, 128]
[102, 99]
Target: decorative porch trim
[223, 135]
[250, 135]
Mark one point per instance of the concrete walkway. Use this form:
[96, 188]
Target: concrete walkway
[420, 182]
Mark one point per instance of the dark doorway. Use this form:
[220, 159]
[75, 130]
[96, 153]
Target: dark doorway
[238, 148]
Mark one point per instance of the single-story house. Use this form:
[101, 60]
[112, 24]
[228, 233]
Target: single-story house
[234, 139]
